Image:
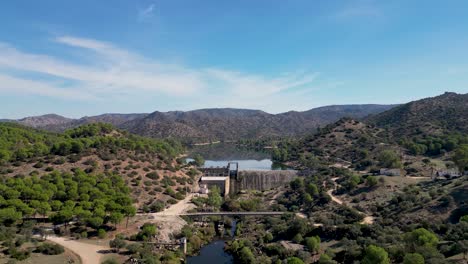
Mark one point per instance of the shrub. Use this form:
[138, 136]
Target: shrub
[39, 165]
[50, 249]
[110, 261]
[102, 233]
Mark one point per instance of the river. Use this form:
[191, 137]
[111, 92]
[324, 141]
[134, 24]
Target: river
[212, 253]
[218, 155]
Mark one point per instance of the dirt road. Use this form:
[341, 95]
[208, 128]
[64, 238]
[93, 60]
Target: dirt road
[169, 221]
[368, 219]
[89, 254]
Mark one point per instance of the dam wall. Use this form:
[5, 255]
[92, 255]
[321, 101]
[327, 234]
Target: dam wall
[261, 180]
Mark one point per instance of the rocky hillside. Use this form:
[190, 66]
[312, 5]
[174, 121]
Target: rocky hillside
[56, 123]
[50, 120]
[430, 116]
[214, 124]
[344, 142]
[234, 124]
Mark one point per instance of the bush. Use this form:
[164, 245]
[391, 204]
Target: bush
[110, 261]
[50, 249]
[39, 165]
[19, 254]
[102, 233]
[313, 243]
[133, 248]
[153, 175]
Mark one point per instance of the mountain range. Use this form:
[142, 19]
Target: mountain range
[213, 124]
[431, 116]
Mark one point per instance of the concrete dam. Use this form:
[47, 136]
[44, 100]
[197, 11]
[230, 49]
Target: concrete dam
[261, 180]
[231, 179]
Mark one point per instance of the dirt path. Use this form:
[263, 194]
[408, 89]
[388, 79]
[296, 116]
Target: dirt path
[368, 219]
[178, 208]
[168, 221]
[88, 253]
[330, 192]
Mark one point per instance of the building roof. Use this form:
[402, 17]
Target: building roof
[213, 178]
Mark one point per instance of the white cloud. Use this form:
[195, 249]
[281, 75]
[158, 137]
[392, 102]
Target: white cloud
[146, 13]
[11, 84]
[115, 72]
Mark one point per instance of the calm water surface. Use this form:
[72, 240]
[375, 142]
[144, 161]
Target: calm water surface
[212, 253]
[245, 164]
[219, 155]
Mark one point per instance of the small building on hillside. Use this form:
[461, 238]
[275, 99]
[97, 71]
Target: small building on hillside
[390, 172]
[222, 182]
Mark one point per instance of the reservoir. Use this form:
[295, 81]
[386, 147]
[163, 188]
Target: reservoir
[218, 155]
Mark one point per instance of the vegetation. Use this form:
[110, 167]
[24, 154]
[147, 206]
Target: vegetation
[93, 200]
[19, 143]
[375, 255]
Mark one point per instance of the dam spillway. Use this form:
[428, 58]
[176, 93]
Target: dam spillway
[235, 180]
[261, 180]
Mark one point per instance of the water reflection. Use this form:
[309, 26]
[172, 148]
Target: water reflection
[212, 253]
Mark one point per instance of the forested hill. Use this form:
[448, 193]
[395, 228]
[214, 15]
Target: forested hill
[430, 128]
[18, 143]
[150, 167]
[214, 124]
[433, 116]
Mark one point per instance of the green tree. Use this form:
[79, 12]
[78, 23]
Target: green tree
[95, 222]
[294, 260]
[5, 155]
[129, 211]
[464, 218]
[421, 237]
[460, 158]
[44, 208]
[413, 258]
[375, 255]
[313, 243]
[116, 218]
[389, 159]
[117, 243]
[148, 231]
[63, 216]
[297, 184]
[112, 261]
[246, 256]
[371, 181]
[325, 259]
[8, 216]
[214, 197]
[298, 238]
[199, 160]
[312, 189]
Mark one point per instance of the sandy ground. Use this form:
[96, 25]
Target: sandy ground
[368, 220]
[168, 221]
[330, 192]
[291, 246]
[301, 215]
[89, 254]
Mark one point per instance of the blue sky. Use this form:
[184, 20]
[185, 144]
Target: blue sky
[85, 57]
